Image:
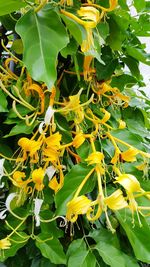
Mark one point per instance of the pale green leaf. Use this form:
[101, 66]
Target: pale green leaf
[9, 6]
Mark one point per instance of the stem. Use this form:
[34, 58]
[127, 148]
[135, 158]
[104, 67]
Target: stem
[41, 5]
[83, 183]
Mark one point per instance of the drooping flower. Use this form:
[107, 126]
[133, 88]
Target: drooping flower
[37, 207]
[48, 115]
[130, 154]
[91, 18]
[50, 154]
[47, 119]
[116, 156]
[54, 140]
[95, 158]
[116, 201]
[18, 178]
[129, 182]
[54, 184]
[37, 178]
[31, 147]
[77, 206]
[106, 116]
[78, 140]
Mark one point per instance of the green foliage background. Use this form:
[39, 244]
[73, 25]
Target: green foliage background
[47, 43]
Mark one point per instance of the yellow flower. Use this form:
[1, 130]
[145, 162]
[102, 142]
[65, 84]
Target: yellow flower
[115, 158]
[51, 154]
[54, 185]
[119, 98]
[86, 67]
[78, 140]
[18, 176]
[129, 182]
[73, 103]
[106, 115]
[90, 18]
[129, 155]
[77, 206]
[30, 146]
[116, 201]
[54, 140]
[95, 158]
[5, 243]
[122, 124]
[37, 178]
[90, 14]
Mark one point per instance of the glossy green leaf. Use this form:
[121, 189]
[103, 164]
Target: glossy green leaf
[44, 47]
[51, 249]
[138, 236]
[78, 253]
[21, 127]
[139, 5]
[109, 249]
[138, 54]
[72, 181]
[9, 6]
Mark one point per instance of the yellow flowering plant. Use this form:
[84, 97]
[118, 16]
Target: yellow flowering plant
[74, 138]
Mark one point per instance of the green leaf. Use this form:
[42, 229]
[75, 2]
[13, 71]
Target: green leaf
[116, 36]
[45, 45]
[78, 253]
[16, 243]
[138, 54]
[139, 5]
[123, 80]
[123, 5]
[113, 256]
[77, 31]
[21, 128]
[133, 65]
[51, 249]
[138, 236]
[46, 263]
[72, 181]
[128, 137]
[3, 102]
[103, 29]
[108, 248]
[70, 49]
[17, 46]
[104, 72]
[9, 6]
